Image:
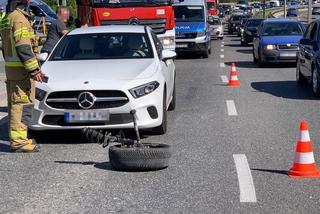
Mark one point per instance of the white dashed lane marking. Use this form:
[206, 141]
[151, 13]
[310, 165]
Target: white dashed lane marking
[222, 46]
[222, 65]
[221, 50]
[224, 79]
[231, 107]
[246, 185]
[221, 56]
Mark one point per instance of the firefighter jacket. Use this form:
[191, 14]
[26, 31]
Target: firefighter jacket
[19, 42]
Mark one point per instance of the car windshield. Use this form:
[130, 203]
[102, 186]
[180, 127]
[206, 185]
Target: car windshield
[236, 18]
[253, 23]
[210, 5]
[46, 9]
[189, 13]
[103, 46]
[129, 3]
[214, 21]
[282, 29]
[316, 10]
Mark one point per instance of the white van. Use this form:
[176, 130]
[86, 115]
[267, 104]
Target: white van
[276, 3]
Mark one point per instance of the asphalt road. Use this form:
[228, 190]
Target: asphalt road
[207, 136]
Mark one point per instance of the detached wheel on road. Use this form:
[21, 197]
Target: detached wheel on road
[147, 157]
[315, 82]
[300, 79]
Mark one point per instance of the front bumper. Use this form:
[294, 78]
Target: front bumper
[247, 38]
[217, 33]
[48, 118]
[198, 44]
[279, 55]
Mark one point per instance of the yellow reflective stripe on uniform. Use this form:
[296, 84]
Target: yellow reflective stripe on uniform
[23, 32]
[14, 64]
[18, 134]
[31, 64]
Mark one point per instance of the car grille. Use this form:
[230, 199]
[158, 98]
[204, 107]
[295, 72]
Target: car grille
[186, 35]
[157, 25]
[104, 99]
[288, 47]
[115, 119]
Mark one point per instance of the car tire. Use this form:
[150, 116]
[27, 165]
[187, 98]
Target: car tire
[221, 38]
[162, 129]
[260, 61]
[205, 53]
[300, 79]
[172, 105]
[315, 82]
[255, 60]
[244, 43]
[148, 157]
[209, 48]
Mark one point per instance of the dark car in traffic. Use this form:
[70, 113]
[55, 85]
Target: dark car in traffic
[308, 58]
[234, 21]
[277, 40]
[292, 12]
[240, 27]
[250, 29]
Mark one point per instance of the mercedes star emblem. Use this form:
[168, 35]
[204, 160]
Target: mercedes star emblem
[86, 100]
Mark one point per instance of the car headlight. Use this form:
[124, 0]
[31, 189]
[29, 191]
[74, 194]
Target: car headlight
[167, 41]
[144, 89]
[40, 94]
[270, 47]
[200, 34]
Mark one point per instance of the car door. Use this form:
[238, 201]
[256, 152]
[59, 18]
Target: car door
[302, 50]
[256, 41]
[167, 67]
[309, 52]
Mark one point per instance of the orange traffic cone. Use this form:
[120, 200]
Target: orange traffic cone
[304, 165]
[233, 81]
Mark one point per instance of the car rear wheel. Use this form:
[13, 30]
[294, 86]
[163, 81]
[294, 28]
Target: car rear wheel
[300, 79]
[162, 129]
[315, 82]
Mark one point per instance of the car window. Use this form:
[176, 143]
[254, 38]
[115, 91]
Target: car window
[308, 31]
[103, 46]
[36, 11]
[313, 34]
[282, 29]
[157, 43]
[253, 23]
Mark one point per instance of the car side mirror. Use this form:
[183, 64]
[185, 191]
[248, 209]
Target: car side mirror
[305, 41]
[167, 54]
[43, 57]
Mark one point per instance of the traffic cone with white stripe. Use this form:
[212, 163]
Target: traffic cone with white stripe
[233, 81]
[304, 165]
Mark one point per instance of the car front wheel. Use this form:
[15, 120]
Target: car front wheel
[315, 82]
[162, 129]
[300, 79]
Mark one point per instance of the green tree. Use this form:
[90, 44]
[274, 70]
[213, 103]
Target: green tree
[72, 4]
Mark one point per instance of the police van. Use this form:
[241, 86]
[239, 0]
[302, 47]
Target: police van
[192, 30]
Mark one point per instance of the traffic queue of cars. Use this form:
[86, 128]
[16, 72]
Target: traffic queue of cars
[280, 40]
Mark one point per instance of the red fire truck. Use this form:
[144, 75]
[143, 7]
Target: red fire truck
[158, 14]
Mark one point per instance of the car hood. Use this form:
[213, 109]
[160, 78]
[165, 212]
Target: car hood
[188, 27]
[273, 40]
[97, 72]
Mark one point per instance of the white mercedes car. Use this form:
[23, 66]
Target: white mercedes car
[97, 75]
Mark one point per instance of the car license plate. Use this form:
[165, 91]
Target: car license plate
[87, 116]
[181, 45]
[288, 54]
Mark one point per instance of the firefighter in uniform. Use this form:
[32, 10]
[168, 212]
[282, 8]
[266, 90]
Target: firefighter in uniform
[22, 69]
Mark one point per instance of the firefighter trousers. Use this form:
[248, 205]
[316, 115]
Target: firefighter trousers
[21, 95]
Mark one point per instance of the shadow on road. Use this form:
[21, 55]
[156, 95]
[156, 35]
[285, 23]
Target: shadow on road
[233, 45]
[276, 171]
[3, 109]
[244, 51]
[98, 165]
[284, 89]
[243, 64]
